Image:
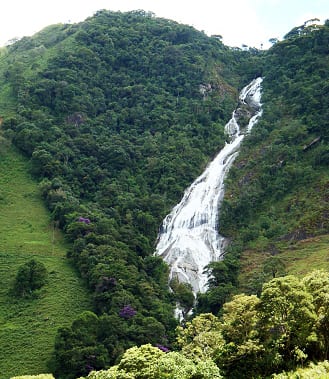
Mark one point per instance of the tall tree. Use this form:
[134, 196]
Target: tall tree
[287, 318]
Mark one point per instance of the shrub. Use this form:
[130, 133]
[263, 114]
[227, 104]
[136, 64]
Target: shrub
[41, 376]
[30, 277]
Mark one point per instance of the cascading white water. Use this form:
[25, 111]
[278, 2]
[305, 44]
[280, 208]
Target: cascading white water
[188, 240]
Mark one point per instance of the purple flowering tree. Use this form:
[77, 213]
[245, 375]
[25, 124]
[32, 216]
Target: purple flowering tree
[127, 312]
[84, 220]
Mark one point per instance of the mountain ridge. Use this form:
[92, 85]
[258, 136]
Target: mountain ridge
[118, 114]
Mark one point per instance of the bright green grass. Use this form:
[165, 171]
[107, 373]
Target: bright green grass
[28, 327]
[307, 255]
[300, 258]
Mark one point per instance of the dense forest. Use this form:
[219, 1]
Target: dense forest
[118, 115]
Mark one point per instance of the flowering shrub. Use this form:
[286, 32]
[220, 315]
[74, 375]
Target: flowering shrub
[85, 220]
[127, 312]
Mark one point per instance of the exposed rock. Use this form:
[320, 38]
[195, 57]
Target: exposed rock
[296, 235]
[308, 146]
[205, 89]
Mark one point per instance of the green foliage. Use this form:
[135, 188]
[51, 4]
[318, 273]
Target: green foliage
[222, 282]
[41, 376]
[78, 349]
[113, 116]
[277, 190]
[313, 371]
[30, 277]
[271, 267]
[148, 362]
[118, 114]
[240, 318]
[274, 267]
[176, 366]
[287, 319]
[141, 361]
[284, 328]
[183, 294]
[93, 342]
[242, 349]
[200, 338]
[317, 284]
[28, 326]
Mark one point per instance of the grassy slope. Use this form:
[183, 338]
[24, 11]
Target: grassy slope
[28, 327]
[300, 258]
[311, 253]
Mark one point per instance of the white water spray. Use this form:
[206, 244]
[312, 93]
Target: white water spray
[189, 240]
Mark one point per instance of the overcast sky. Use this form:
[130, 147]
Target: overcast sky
[249, 22]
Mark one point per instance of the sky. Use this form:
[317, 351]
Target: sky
[239, 22]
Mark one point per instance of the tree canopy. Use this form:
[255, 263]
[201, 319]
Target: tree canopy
[118, 114]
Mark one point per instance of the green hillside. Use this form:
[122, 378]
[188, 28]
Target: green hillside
[118, 114]
[277, 193]
[28, 326]
[114, 117]
[298, 259]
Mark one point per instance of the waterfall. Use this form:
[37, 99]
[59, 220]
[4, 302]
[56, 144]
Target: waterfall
[188, 239]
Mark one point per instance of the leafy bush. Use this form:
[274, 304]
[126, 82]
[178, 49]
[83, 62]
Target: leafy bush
[314, 371]
[30, 277]
[148, 362]
[40, 376]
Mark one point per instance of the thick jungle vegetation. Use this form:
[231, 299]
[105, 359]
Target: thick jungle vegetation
[286, 326]
[277, 192]
[117, 115]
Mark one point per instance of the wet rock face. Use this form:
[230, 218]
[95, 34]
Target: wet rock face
[248, 106]
[243, 115]
[188, 239]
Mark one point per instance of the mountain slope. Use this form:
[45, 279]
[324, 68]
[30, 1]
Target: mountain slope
[277, 193]
[28, 326]
[118, 115]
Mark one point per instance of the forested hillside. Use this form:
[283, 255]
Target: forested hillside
[277, 193]
[284, 161]
[118, 115]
